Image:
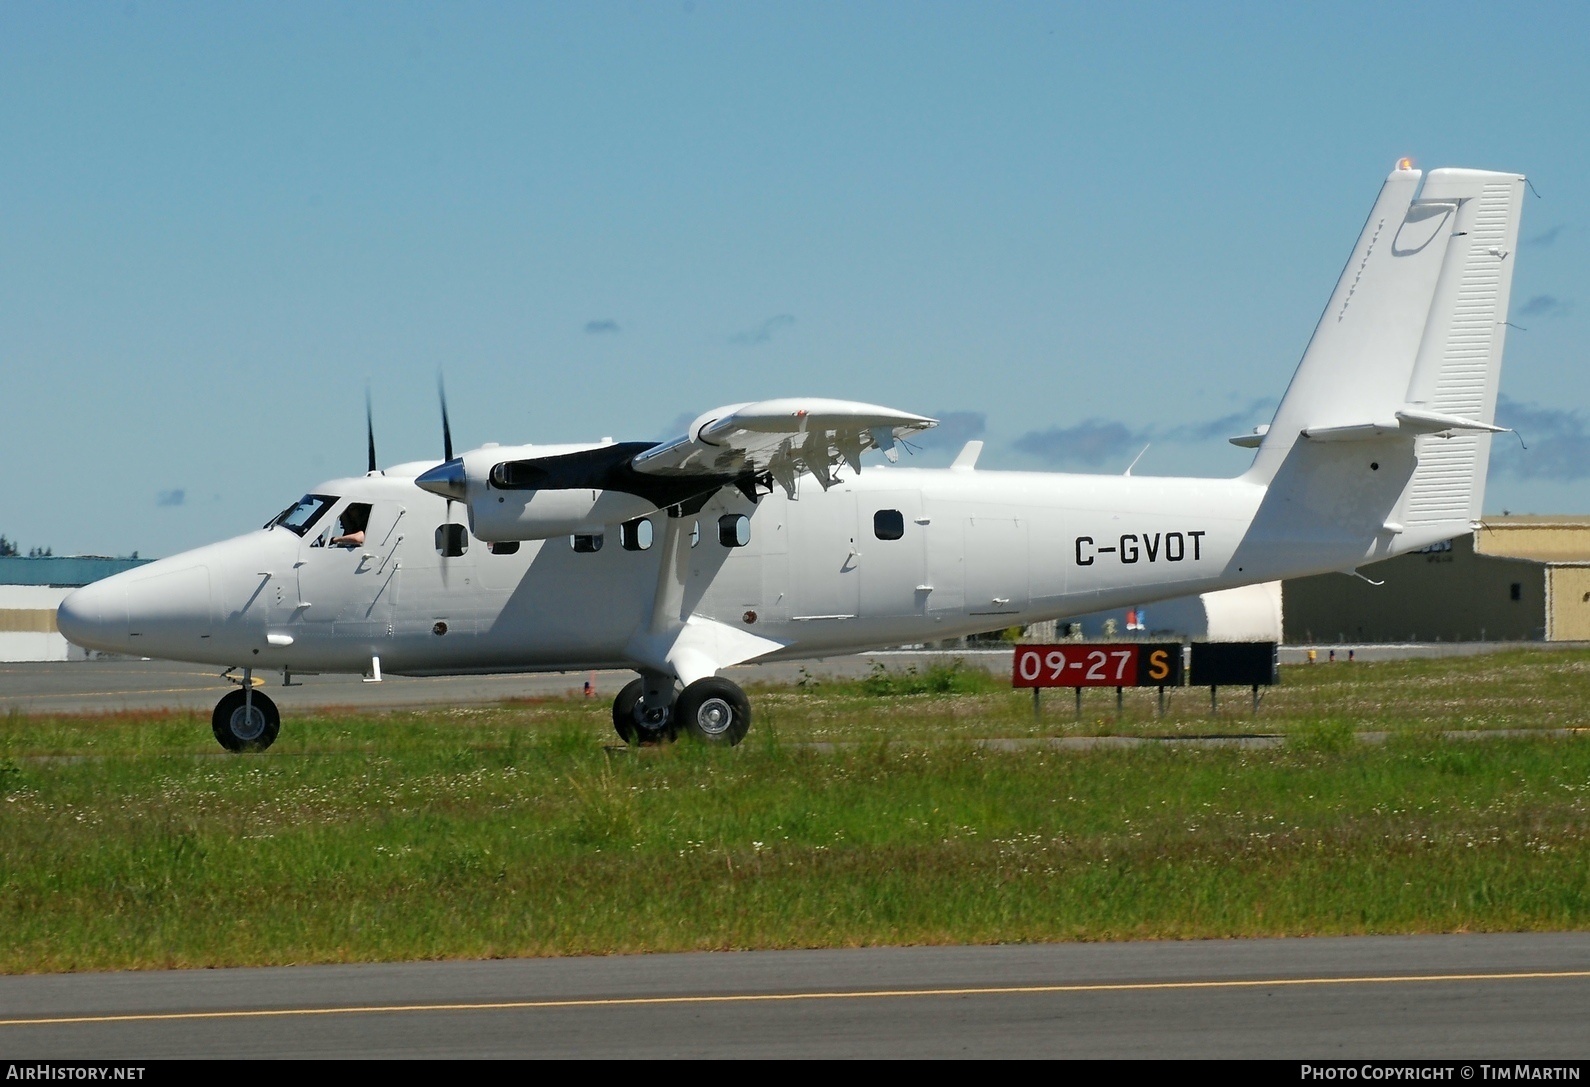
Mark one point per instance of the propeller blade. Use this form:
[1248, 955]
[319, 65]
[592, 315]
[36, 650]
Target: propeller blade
[447, 430]
[369, 428]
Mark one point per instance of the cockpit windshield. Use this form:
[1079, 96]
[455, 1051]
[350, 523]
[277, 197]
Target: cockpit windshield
[301, 516]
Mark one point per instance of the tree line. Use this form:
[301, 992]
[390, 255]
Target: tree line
[10, 549]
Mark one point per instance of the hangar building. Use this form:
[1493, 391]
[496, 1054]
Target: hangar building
[30, 591]
[1515, 578]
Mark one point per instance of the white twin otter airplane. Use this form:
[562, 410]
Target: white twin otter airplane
[757, 536]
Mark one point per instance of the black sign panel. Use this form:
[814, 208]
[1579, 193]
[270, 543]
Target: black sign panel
[1234, 664]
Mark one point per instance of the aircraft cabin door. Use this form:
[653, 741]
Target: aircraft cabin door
[996, 566]
[894, 561]
[351, 588]
[824, 553]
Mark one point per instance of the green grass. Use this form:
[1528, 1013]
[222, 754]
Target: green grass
[131, 842]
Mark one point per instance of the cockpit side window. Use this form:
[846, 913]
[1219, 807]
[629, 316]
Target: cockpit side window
[351, 525]
[301, 516]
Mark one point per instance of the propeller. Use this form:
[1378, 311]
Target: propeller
[446, 479]
[369, 429]
[447, 430]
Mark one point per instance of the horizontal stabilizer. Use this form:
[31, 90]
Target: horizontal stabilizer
[1409, 422]
[1253, 440]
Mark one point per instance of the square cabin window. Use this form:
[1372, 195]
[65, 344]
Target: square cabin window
[451, 540]
[888, 524]
[586, 544]
[734, 530]
[635, 535]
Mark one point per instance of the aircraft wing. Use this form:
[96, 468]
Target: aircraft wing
[782, 438]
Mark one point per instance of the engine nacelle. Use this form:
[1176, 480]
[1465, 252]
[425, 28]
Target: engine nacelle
[536, 492]
[500, 516]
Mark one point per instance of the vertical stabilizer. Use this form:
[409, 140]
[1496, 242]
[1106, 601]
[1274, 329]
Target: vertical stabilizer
[1380, 444]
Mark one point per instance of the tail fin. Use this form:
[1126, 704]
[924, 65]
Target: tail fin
[1407, 357]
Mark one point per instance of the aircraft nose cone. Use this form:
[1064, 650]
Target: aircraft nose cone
[446, 479]
[95, 616]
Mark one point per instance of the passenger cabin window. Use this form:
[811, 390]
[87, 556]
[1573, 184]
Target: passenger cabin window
[734, 530]
[888, 524]
[695, 533]
[301, 516]
[451, 540]
[635, 535]
[506, 547]
[586, 545]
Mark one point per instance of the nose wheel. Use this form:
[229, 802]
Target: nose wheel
[246, 720]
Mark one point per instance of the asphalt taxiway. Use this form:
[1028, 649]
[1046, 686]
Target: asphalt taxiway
[1463, 997]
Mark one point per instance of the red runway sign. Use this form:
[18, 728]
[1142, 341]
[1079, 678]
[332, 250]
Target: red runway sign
[1075, 664]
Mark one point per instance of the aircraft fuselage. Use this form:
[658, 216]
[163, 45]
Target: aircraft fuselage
[971, 551]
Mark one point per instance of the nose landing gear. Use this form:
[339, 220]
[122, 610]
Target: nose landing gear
[245, 720]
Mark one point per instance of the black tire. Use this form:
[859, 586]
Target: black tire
[630, 720]
[236, 730]
[714, 711]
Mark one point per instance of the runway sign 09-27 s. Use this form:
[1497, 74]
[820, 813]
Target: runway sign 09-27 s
[1133, 664]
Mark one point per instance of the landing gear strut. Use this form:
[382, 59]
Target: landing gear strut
[711, 710]
[245, 720]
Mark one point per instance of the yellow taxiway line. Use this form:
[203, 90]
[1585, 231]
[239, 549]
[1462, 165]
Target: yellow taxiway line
[763, 998]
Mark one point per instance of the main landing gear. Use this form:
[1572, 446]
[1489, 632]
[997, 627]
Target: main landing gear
[245, 720]
[711, 710]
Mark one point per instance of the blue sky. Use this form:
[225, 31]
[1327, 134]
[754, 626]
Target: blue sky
[1069, 230]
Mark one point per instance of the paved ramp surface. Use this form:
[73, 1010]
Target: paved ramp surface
[118, 684]
[1511, 996]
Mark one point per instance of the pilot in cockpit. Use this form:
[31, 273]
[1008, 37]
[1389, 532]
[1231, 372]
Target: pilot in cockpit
[351, 526]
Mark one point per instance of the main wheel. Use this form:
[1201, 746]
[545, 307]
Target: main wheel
[245, 722]
[634, 722]
[714, 711]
